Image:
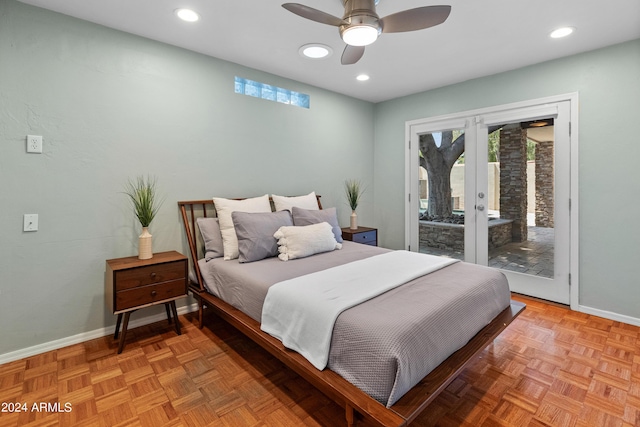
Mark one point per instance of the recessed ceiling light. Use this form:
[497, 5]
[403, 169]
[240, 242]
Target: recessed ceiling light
[561, 32]
[315, 51]
[187, 15]
[362, 77]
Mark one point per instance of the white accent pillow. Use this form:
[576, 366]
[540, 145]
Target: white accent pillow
[224, 208]
[284, 203]
[310, 216]
[299, 242]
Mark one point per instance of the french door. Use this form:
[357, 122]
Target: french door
[506, 201]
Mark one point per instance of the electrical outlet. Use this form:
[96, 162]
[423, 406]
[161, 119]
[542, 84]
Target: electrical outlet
[30, 222]
[34, 144]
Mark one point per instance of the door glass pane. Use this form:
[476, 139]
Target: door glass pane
[441, 217]
[520, 198]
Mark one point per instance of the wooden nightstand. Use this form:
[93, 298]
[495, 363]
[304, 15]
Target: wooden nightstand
[132, 284]
[365, 235]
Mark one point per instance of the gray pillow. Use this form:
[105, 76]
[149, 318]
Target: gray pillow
[308, 217]
[211, 236]
[255, 233]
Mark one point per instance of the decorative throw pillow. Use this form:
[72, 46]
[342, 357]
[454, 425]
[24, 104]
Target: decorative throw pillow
[308, 217]
[255, 233]
[299, 242]
[281, 203]
[211, 237]
[224, 208]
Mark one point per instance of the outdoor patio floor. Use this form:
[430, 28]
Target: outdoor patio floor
[534, 256]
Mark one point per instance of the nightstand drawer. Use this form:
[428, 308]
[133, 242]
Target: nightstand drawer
[368, 237]
[142, 276]
[149, 294]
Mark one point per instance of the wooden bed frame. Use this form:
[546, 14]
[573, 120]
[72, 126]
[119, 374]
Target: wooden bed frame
[331, 384]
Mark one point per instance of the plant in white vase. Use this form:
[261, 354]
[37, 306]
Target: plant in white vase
[353, 190]
[142, 194]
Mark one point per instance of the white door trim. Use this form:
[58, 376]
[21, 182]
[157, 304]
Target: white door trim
[544, 106]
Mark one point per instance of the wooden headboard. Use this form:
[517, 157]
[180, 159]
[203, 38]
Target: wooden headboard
[190, 211]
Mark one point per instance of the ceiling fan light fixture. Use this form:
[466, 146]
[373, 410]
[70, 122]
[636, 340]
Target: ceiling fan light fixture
[361, 25]
[315, 51]
[187, 15]
[360, 35]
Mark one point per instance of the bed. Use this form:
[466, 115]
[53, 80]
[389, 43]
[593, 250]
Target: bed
[237, 291]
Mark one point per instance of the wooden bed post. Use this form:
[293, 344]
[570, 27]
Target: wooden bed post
[348, 412]
[190, 230]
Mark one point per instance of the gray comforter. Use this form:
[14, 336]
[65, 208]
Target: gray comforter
[388, 344]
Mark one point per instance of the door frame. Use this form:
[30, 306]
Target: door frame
[469, 119]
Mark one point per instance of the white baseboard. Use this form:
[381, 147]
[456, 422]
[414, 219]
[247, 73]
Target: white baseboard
[609, 315]
[98, 333]
[86, 336]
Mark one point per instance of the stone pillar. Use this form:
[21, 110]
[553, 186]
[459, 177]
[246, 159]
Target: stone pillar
[544, 184]
[513, 179]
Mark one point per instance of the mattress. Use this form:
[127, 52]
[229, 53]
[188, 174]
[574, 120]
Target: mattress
[387, 344]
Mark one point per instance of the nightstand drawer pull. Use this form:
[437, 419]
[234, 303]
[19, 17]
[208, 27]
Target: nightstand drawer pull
[154, 293]
[153, 275]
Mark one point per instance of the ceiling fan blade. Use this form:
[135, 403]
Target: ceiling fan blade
[352, 54]
[313, 14]
[415, 19]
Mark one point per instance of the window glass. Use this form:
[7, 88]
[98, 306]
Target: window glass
[271, 93]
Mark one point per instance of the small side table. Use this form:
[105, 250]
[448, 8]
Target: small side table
[132, 284]
[365, 235]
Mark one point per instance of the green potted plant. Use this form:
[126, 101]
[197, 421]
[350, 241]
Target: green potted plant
[353, 190]
[143, 197]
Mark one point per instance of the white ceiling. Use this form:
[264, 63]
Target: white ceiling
[480, 37]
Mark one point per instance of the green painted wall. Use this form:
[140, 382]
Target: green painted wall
[608, 83]
[110, 106]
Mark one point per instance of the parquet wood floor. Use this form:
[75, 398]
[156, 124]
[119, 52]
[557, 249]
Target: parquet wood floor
[551, 367]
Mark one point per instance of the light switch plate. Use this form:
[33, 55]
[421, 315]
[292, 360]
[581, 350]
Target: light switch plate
[30, 222]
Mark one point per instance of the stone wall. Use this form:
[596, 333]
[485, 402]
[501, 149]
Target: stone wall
[451, 236]
[499, 232]
[544, 184]
[441, 235]
[513, 179]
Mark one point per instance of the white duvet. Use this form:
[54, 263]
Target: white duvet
[301, 312]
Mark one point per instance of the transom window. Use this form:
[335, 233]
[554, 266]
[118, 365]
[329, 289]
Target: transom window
[270, 92]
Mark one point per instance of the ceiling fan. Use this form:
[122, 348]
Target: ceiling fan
[361, 25]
